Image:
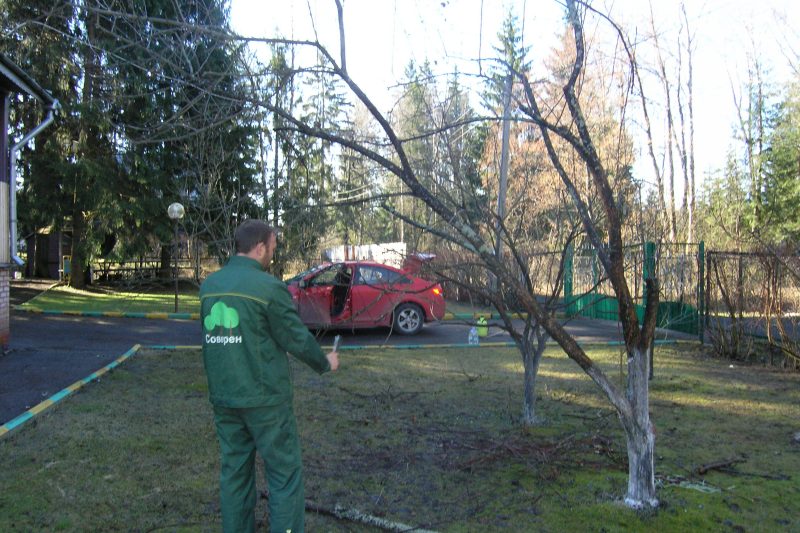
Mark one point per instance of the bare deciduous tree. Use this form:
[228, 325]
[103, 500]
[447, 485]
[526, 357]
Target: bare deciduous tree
[474, 230]
[677, 142]
[632, 403]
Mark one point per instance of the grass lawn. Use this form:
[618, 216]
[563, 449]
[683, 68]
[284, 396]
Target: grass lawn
[161, 300]
[428, 438]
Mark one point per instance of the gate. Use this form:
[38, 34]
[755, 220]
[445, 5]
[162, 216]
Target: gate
[678, 267]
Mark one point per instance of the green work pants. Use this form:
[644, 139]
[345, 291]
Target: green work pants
[271, 431]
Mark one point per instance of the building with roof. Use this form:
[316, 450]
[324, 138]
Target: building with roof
[13, 81]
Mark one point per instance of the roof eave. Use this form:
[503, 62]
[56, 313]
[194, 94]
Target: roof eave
[22, 82]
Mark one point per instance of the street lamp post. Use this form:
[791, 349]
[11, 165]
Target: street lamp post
[175, 212]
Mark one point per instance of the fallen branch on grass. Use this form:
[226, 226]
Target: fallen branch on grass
[598, 416]
[777, 477]
[354, 515]
[719, 465]
[519, 448]
[700, 487]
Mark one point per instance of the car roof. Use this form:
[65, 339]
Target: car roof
[367, 263]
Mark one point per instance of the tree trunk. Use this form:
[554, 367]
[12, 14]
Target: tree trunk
[89, 138]
[641, 474]
[529, 405]
[531, 357]
[77, 277]
[165, 258]
[639, 434]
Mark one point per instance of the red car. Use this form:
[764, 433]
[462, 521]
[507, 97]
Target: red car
[360, 294]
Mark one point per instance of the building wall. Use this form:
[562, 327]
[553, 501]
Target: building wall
[5, 280]
[12, 80]
[5, 222]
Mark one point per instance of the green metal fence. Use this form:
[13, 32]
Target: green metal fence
[678, 267]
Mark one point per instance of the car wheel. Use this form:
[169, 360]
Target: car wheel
[408, 319]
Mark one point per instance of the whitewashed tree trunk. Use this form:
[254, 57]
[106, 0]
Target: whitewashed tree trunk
[639, 434]
[531, 357]
[531, 365]
[641, 468]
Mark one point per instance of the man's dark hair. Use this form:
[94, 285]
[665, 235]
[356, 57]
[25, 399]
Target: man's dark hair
[250, 233]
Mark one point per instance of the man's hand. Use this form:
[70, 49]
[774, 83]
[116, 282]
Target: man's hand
[333, 359]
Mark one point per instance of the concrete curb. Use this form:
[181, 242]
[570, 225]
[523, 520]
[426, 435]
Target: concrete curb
[59, 396]
[110, 314]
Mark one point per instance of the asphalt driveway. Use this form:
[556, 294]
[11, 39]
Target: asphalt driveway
[49, 353]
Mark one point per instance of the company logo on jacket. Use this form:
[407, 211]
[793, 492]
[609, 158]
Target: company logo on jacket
[223, 317]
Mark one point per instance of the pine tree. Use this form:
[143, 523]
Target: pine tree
[154, 111]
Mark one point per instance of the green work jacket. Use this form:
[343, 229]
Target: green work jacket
[249, 325]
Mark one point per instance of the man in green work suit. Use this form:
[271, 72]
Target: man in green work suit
[249, 326]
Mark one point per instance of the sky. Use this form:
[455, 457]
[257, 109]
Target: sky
[382, 36]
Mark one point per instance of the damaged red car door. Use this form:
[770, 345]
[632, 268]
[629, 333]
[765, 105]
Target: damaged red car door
[372, 296]
[324, 299]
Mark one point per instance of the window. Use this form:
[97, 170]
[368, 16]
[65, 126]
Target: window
[370, 275]
[335, 275]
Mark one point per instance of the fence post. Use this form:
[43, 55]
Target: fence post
[568, 272]
[701, 297]
[707, 306]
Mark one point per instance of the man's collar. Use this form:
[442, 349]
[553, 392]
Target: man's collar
[244, 260]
